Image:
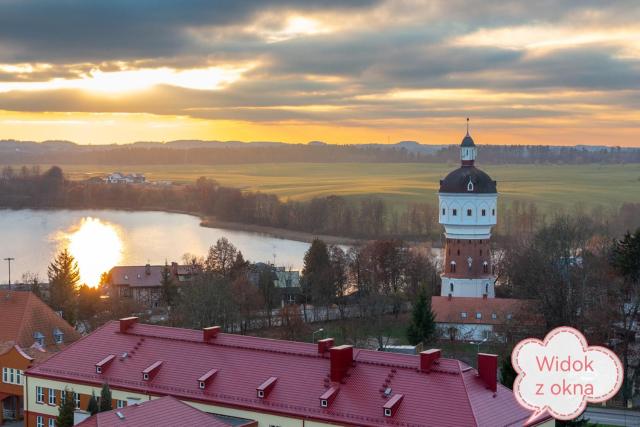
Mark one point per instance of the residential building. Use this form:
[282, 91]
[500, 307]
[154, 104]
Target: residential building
[476, 319]
[273, 382]
[142, 283]
[30, 332]
[285, 281]
[120, 178]
[164, 412]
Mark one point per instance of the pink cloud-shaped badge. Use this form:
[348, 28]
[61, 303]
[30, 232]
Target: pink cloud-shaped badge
[562, 373]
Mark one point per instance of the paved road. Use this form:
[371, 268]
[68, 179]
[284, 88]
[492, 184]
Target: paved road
[614, 417]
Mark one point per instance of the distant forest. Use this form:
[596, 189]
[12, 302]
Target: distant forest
[215, 152]
[365, 218]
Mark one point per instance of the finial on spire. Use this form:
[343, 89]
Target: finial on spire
[467, 126]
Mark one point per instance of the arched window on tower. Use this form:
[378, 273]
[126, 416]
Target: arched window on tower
[486, 288]
[451, 287]
[452, 267]
[485, 267]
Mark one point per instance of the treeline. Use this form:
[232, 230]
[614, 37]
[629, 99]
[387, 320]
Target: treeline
[15, 152]
[367, 218]
[366, 284]
[582, 278]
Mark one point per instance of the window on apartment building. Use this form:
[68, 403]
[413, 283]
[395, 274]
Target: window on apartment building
[463, 314]
[478, 315]
[12, 376]
[39, 394]
[39, 421]
[52, 422]
[494, 316]
[120, 404]
[76, 400]
[63, 396]
[52, 396]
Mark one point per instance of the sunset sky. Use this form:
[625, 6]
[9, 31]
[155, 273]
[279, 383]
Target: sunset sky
[118, 71]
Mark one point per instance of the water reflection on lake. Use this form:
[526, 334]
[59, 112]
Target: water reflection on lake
[99, 239]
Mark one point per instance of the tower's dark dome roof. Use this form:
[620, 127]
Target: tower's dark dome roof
[467, 141]
[458, 181]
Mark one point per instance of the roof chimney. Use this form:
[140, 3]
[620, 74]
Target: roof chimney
[488, 370]
[428, 358]
[210, 333]
[324, 345]
[102, 365]
[174, 268]
[265, 388]
[126, 323]
[151, 371]
[391, 407]
[147, 269]
[328, 396]
[341, 361]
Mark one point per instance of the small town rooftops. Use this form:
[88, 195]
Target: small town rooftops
[451, 393]
[26, 318]
[164, 412]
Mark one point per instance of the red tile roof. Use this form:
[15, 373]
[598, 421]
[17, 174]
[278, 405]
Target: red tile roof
[451, 394]
[449, 310]
[24, 314]
[163, 412]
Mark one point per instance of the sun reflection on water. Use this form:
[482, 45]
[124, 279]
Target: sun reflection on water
[96, 246]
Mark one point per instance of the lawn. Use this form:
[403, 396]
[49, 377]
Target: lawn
[550, 186]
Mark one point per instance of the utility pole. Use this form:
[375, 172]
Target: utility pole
[9, 259]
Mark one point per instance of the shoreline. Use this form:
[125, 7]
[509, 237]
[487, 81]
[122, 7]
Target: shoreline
[278, 233]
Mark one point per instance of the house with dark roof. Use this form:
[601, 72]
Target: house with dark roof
[163, 412]
[274, 382]
[30, 332]
[142, 283]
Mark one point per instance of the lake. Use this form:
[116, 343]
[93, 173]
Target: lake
[100, 239]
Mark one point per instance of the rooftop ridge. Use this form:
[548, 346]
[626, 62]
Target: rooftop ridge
[467, 399]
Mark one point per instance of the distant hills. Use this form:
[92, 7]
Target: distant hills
[219, 152]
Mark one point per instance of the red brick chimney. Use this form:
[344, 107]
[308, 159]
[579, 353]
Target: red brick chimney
[210, 333]
[341, 361]
[488, 370]
[126, 323]
[324, 345]
[428, 358]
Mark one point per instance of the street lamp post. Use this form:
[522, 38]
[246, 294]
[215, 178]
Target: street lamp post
[313, 335]
[479, 343]
[9, 259]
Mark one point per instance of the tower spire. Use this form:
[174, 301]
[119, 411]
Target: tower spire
[467, 126]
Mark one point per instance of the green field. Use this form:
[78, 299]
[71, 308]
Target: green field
[550, 186]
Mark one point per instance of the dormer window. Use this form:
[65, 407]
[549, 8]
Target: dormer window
[126, 277]
[58, 336]
[470, 186]
[38, 338]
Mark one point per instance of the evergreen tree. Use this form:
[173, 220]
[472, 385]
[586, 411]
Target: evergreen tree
[507, 373]
[423, 326]
[105, 398]
[64, 276]
[317, 283]
[168, 287]
[92, 406]
[65, 410]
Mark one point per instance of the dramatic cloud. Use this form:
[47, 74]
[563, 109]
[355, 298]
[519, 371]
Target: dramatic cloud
[340, 71]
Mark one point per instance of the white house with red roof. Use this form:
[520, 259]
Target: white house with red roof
[273, 382]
